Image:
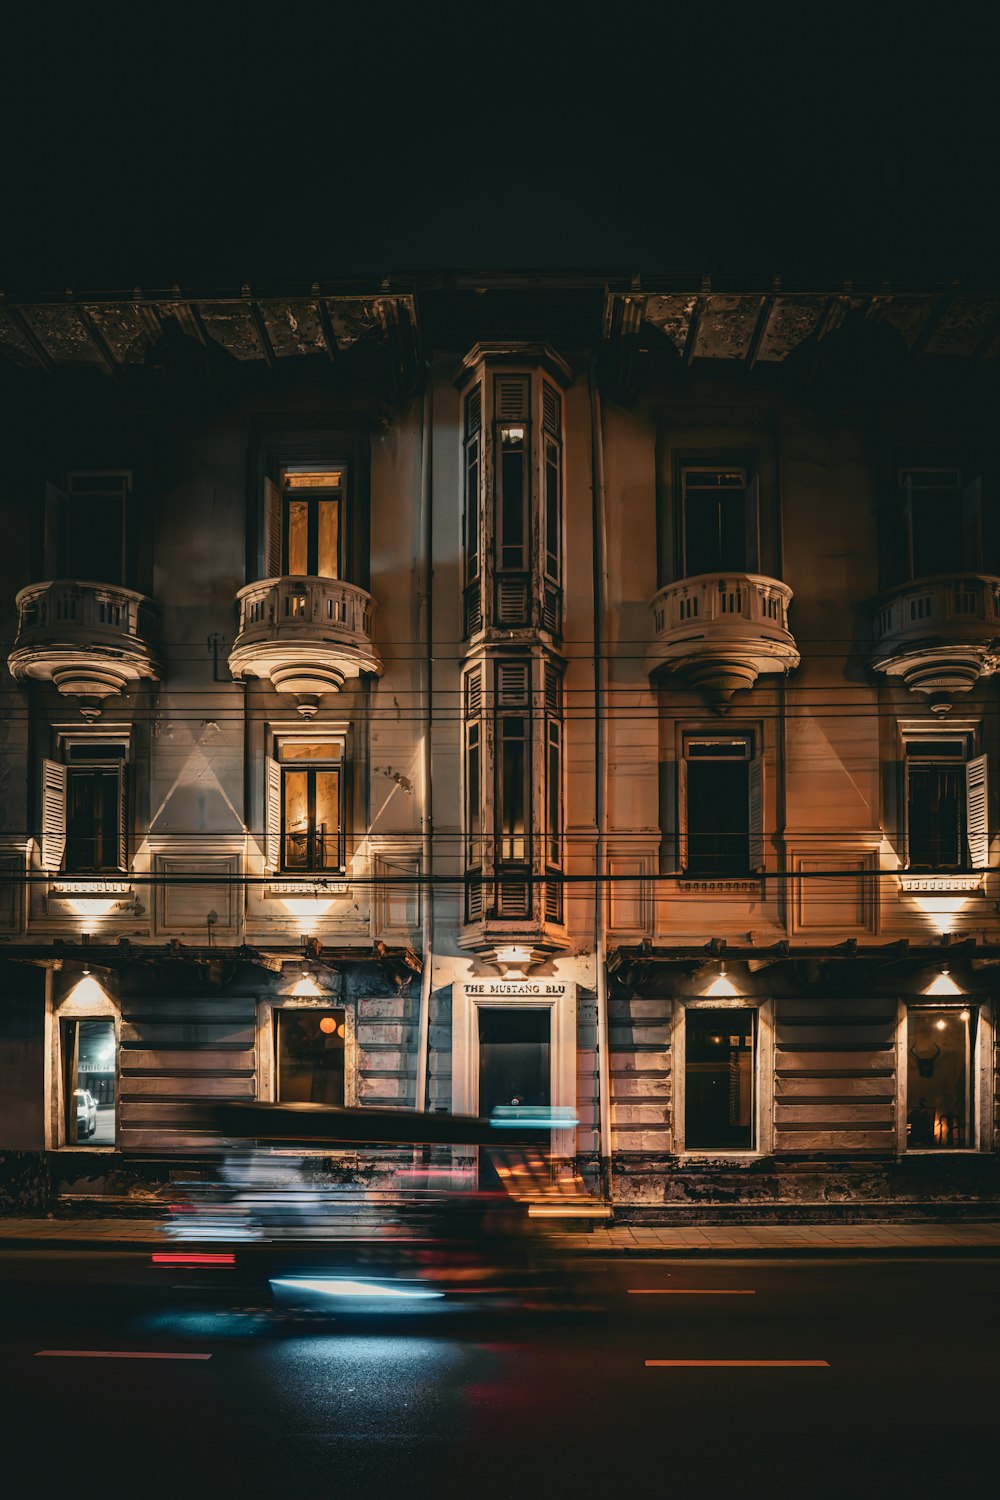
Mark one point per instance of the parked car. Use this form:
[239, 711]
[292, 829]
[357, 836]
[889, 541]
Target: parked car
[86, 1113]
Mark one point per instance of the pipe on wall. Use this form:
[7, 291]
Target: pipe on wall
[600, 545]
[427, 838]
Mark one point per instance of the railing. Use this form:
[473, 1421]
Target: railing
[83, 611]
[279, 608]
[946, 605]
[693, 606]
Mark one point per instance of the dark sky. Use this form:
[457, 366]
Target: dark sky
[144, 148]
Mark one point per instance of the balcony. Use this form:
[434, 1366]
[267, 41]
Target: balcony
[90, 639]
[939, 635]
[720, 634]
[307, 636]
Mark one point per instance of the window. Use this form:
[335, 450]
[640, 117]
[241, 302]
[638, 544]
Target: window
[310, 1051]
[946, 804]
[86, 528]
[88, 1056]
[942, 520]
[718, 516]
[720, 1052]
[940, 1045]
[304, 523]
[305, 805]
[721, 812]
[84, 823]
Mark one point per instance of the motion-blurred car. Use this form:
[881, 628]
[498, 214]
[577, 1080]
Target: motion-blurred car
[86, 1113]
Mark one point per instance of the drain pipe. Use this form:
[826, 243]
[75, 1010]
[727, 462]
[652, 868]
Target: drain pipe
[600, 521]
[426, 886]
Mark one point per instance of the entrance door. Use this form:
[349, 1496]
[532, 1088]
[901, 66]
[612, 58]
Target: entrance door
[514, 1065]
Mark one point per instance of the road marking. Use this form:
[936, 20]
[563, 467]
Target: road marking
[110, 1354]
[691, 1291]
[740, 1364]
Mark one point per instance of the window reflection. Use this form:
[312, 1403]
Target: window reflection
[310, 1056]
[88, 1052]
[719, 1078]
[938, 1078]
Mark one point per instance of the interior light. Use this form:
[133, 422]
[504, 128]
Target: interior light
[963, 1015]
[328, 1024]
[943, 984]
[940, 1024]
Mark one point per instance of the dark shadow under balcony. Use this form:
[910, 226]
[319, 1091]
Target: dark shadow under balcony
[721, 633]
[938, 635]
[306, 636]
[90, 639]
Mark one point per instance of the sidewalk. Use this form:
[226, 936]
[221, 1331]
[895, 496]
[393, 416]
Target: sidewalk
[734, 1239]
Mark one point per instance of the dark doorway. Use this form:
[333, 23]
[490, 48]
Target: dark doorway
[514, 1066]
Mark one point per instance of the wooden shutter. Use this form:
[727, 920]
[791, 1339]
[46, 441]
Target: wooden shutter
[512, 684]
[682, 814]
[977, 812]
[972, 513]
[271, 551]
[756, 813]
[510, 398]
[272, 814]
[752, 522]
[123, 816]
[56, 538]
[53, 821]
[551, 413]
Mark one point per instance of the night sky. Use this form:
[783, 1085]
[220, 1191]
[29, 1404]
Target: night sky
[205, 148]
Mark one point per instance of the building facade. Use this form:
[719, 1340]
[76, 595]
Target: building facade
[562, 691]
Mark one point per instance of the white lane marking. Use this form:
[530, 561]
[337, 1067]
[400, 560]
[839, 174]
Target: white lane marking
[110, 1354]
[739, 1364]
[692, 1291]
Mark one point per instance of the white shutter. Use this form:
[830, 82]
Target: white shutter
[272, 814]
[752, 524]
[512, 684]
[56, 539]
[756, 811]
[977, 812]
[53, 819]
[123, 816]
[972, 511]
[271, 551]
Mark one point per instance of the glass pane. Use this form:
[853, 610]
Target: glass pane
[473, 815]
[714, 523]
[296, 813]
[513, 801]
[310, 1056]
[317, 479]
[512, 497]
[936, 817]
[309, 750]
[89, 1074]
[95, 540]
[326, 854]
[327, 539]
[718, 817]
[297, 560]
[936, 522]
[938, 1073]
[554, 790]
[92, 819]
[719, 1078]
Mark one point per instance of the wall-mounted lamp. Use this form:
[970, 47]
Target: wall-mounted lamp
[941, 911]
[513, 962]
[722, 985]
[943, 984]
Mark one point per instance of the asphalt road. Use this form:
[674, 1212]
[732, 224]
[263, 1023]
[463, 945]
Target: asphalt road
[902, 1400]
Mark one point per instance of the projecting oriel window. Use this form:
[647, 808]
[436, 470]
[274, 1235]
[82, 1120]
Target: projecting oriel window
[940, 1046]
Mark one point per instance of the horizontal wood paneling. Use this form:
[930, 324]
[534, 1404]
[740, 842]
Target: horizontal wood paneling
[194, 1060]
[834, 1084]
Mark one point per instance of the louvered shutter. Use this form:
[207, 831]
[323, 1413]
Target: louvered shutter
[53, 830]
[972, 503]
[272, 814]
[56, 539]
[682, 814]
[751, 522]
[756, 811]
[551, 412]
[123, 816]
[512, 684]
[510, 398]
[977, 812]
[271, 558]
[473, 693]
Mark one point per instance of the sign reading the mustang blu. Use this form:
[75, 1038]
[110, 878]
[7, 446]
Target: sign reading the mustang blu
[517, 989]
